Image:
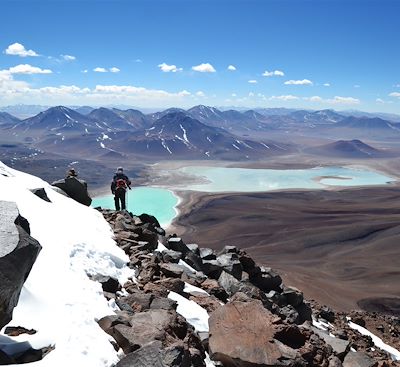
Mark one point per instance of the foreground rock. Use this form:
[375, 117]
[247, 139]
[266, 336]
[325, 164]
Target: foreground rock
[245, 334]
[255, 319]
[75, 189]
[18, 252]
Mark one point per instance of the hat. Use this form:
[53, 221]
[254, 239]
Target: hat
[120, 169]
[72, 172]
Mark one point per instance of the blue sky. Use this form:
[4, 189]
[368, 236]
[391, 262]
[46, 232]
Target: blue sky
[313, 54]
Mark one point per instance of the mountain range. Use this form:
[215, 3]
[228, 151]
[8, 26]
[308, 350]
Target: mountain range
[201, 132]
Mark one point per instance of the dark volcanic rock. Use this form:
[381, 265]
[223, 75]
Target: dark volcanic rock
[42, 194]
[176, 244]
[207, 254]
[18, 252]
[147, 356]
[230, 263]
[108, 283]
[75, 189]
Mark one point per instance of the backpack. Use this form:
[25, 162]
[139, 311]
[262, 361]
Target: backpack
[120, 183]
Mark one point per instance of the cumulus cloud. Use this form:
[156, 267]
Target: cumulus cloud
[114, 70]
[100, 70]
[68, 57]
[335, 100]
[169, 68]
[234, 95]
[273, 73]
[200, 94]
[204, 68]
[252, 81]
[288, 97]
[18, 49]
[231, 68]
[85, 71]
[299, 82]
[344, 100]
[326, 84]
[394, 94]
[313, 99]
[28, 69]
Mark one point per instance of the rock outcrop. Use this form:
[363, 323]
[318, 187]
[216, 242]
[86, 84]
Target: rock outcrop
[76, 189]
[255, 319]
[18, 252]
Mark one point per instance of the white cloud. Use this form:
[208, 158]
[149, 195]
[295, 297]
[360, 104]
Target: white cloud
[326, 84]
[394, 94]
[251, 94]
[85, 71]
[335, 100]
[299, 82]
[19, 50]
[381, 101]
[288, 97]
[204, 68]
[231, 68]
[344, 100]
[169, 68]
[28, 69]
[200, 94]
[313, 99]
[273, 73]
[68, 57]
[234, 95]
[100, 70]
[252, 81]
[114, 70]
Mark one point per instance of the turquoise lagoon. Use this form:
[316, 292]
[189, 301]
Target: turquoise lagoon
[154, 201]
[162, 202]
[223, 179]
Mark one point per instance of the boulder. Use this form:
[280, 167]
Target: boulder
[18, 252]
[245, 334]
[267, 280]
[207, 254]
[171, 270]
[231, 264]
[212, 268]
[229, 250]
[293, 296]
[148, 355]
[194, 261]
[327, 313]
[76, 189]
[193, 247]
[41, 193]
[340, 347]
[358, 359]
[163, 303]
[171, 256]
[148, 326]
[176, 244]
[108, 283]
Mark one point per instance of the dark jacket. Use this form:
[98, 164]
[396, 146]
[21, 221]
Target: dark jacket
[119, 176]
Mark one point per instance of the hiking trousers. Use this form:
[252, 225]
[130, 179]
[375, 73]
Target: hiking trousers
[119, 198]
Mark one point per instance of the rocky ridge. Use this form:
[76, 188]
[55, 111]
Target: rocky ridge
[253, 318]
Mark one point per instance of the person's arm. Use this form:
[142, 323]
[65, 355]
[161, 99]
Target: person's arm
[113, 186]
[128, 182]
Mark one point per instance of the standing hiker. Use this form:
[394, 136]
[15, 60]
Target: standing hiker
[119, 185]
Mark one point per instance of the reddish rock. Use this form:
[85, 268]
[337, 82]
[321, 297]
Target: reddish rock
[245, 334]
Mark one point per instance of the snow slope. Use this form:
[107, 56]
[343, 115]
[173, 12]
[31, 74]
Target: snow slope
[58, 298]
